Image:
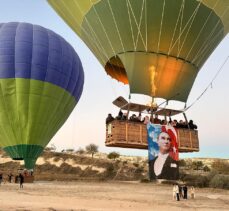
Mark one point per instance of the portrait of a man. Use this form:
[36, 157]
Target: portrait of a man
[164, 165]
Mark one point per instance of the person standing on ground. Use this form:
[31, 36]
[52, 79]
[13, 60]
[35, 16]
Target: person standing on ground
[1, 178]
[192, 192]
[174, 192]
[10, 177]
[180, 192]
[177, 192]
[21, 178]
[185, 189]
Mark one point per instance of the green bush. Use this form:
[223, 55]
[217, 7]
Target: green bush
[110, 171]
[206, 169]
[196, 180]
[145, 180]
[221, 166]
[197, 165]
[182, 163]
[113, 155]
[139, 170]
[220, 181]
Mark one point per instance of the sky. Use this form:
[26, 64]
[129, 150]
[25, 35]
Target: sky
[86, 123]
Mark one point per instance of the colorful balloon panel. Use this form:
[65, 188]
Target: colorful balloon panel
[157, 46]
[41, 81]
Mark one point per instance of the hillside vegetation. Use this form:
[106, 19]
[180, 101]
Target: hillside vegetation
[70, 166]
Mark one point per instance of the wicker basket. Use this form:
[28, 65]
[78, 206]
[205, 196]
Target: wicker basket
[128, 134]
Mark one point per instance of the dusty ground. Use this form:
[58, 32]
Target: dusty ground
[61, 196]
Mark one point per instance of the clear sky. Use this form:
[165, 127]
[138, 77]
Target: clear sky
[87, 121]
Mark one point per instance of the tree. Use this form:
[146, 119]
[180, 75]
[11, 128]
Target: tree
[182, 162]
[69, 150]
[197, 165]
[206, 168]
[92, 149]
[113, 155]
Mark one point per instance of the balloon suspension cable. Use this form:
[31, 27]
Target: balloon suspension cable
[128, 111]
[209, 85]
[112, 87]
[167, 100]
[152, 109]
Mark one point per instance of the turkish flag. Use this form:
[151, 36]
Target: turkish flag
[174, 142]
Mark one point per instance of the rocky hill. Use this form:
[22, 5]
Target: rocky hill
[73, 166]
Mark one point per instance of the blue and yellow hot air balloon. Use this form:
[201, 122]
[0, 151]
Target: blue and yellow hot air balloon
[41, 81]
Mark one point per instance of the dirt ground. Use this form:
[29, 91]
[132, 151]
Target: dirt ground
[84, 196]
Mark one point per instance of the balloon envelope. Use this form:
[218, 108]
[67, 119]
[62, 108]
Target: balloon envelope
[41, 81]
[157, 46]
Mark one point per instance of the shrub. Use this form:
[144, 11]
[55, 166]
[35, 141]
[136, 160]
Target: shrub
[206, 168]
[221, 166]
[56, 159]
[182, 163]
[220, 181]
[136, 165]
[69, 150]
[197, 165]
[113, 155]
[196, 180]
[110, 171]
[145, 180]
[80, 151]
[139, 170]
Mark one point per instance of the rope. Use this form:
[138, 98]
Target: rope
[146, 27]
[129, 6]
[189, 28]
[162, 17]
[175, 28]
[202, 28]
[209, 85]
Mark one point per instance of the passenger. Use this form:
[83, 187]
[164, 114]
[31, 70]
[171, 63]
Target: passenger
[109, 118]
[156, 120]
[174, 123]
[139, 118]
[133, 118]
[120, 114]
[164, 122]
[124, 116]
[191, 125]
[182, 124]
[146, 120]
[170, 122]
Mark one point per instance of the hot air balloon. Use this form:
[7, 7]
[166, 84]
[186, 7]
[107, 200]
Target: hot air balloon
[155, 46]
[41, 81]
